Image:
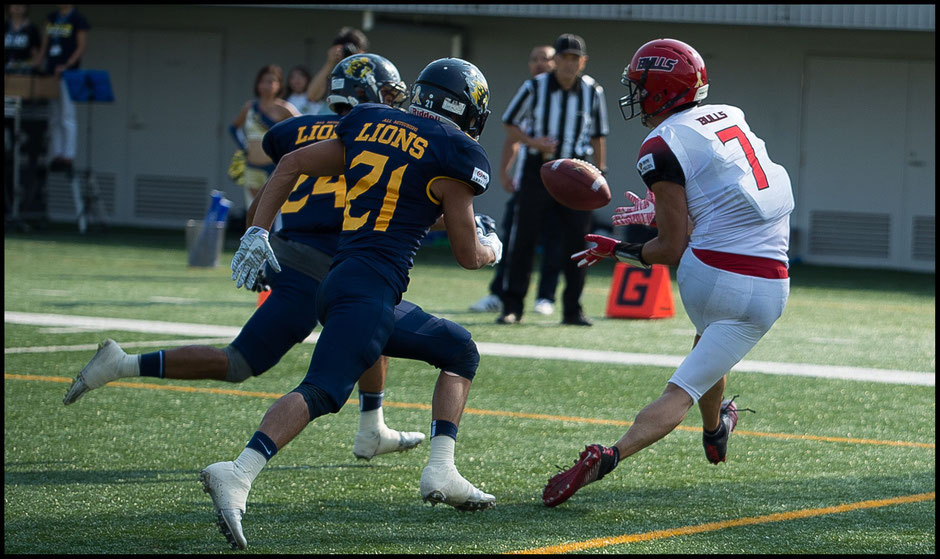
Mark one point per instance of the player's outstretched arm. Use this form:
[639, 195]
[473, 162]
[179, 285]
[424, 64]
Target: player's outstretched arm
[469, 250]
[322, 159]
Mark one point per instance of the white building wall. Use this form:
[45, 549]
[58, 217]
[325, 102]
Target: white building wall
[762, 69]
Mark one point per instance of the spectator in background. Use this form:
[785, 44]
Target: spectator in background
[348, 41]
[21, 41]
[559, 114]
[255, 118]
[63, 43]
[540, 61]
[298, 80]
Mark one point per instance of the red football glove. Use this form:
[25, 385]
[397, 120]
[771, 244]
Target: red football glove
[642, 211]
[631, 253]
[604, 249]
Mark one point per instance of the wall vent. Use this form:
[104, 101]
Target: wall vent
[60, 201]
[169, 198]
[866, 235]
[923, 238]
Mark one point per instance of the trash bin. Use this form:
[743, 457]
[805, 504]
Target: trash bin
[204, 244]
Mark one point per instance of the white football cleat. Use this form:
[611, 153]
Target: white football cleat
[444, 484]
[102, 369]
[544, 306]
[488, 303]
[384, 440]
[229, 491]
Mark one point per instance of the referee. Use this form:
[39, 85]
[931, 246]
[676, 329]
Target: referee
[567, 118]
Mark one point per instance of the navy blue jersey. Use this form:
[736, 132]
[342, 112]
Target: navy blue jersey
[313, 212]
[62, 31]
[392, 158]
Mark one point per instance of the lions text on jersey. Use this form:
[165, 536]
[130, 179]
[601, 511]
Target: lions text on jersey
[739, 200]
[392, 158]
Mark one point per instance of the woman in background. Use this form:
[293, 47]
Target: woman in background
[298, 80]
[254, 119]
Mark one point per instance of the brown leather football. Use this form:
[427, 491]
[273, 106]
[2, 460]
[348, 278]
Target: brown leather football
[576, 184]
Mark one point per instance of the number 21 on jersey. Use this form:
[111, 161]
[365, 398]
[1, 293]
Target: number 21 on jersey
[377, 162]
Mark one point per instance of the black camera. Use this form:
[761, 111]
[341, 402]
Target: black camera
[350, 49]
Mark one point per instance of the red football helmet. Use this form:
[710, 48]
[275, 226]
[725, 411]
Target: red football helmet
[663, 74]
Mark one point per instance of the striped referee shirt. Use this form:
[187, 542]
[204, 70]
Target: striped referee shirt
[542, 108]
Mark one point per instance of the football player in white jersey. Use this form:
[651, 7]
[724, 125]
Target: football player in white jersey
[706, 169]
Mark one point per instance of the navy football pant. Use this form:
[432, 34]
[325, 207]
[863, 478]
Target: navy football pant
[285, 319]
[289, 315]
[357, 309]
[361, 322]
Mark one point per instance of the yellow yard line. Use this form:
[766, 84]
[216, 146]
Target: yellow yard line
[714, 526]
[474, 411]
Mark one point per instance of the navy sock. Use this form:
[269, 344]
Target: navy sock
[263, 444]
[151, 364]
[369, 401]
[442, 427]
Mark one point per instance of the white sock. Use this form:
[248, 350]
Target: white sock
[371, 420]
[250, 461]
[442, 451]
[129, 366]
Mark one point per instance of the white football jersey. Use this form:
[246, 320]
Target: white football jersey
[739, 200]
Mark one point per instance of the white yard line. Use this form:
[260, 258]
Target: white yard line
[94, 347]
[890, 376]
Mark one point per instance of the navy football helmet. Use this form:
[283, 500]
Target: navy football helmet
[365, 78]
[455, 90]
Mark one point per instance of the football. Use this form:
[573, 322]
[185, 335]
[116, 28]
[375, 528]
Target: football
[576, 184]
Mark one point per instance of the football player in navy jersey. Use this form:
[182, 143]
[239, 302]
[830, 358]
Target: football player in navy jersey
[306, 244]
[403, 172]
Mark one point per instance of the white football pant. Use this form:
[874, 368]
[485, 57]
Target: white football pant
[63, 124]
[730, 311]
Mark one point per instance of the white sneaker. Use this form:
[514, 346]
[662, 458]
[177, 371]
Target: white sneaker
[384, 440]
[444, 484]
[490, 303]
[102, 369]
[544, 306]
[228, 488]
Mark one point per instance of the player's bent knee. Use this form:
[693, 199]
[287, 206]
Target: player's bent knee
[318, 402]
[466, 364]
[238, 368]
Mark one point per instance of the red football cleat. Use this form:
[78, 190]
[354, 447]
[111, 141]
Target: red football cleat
[595, 462]
[716, 445]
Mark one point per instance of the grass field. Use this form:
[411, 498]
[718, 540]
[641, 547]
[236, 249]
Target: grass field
[825, 465]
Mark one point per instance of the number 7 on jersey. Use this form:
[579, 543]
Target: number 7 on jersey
[735, 133]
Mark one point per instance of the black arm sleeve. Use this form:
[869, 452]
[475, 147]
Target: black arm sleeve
[657, 163]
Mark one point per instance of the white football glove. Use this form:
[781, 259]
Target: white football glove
[250, 257]
[492, 241]
[642, 211]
